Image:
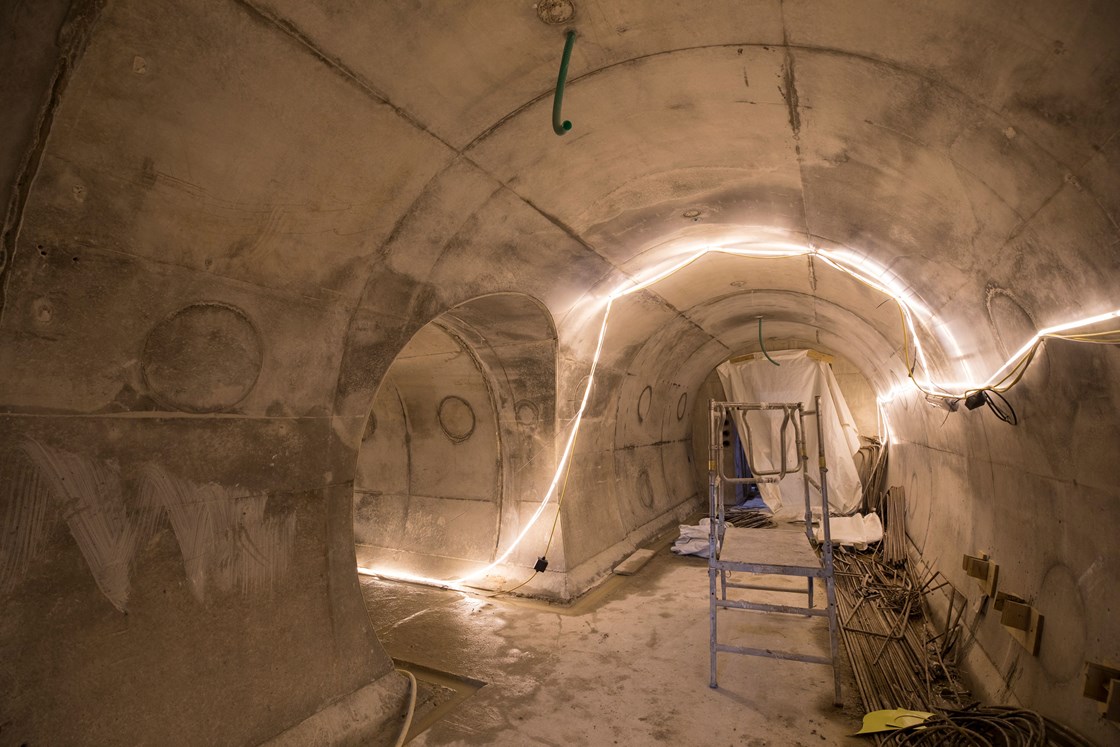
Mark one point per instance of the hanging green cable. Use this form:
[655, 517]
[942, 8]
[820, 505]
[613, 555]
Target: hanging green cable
[762, 345]
[559, 127]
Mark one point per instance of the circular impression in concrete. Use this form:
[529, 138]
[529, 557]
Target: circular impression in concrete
[682, 404]
[456, 418]
[526, 412]
[1013, 326]
[555, 11]
[1012, 323]
[917, 524]
[205, 357]
[644, 400]
[645, 488]
[1062, 652]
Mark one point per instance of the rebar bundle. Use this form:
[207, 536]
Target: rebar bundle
[899, 662]
[894, 537]
[884, 630]
[746, 518]
[871, 461]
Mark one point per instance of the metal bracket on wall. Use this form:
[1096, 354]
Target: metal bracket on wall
[1102, 684]
[981, 568]
[1023, 622]
[1003, 597]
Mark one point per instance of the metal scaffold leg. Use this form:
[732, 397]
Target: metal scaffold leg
[781, 553]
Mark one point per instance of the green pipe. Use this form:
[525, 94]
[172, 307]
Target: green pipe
[559, 127]
[762, 345]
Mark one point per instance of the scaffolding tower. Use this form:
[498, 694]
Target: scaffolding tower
[768, 552]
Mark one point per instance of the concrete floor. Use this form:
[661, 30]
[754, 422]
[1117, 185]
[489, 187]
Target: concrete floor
[627, 664]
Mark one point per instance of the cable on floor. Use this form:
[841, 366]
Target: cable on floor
[542, 562]
[411, 708]
[991, 726]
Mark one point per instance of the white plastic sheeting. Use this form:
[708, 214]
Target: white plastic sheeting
[798, 378]
[858, 531]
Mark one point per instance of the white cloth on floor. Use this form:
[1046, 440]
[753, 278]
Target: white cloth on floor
[693, 539]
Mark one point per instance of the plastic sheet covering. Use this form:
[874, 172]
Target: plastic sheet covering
[798, 378]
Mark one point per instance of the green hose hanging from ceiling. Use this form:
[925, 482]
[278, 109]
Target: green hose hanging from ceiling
[762, 345]
[558, 126]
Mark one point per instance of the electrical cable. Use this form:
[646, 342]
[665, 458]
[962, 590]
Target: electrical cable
[851, 265]
[1113, 336]
[411, 708]
[510, 591]
[997, 726]
[552, 532]
[1016, 372]
[1008, 416]
[1103, 333]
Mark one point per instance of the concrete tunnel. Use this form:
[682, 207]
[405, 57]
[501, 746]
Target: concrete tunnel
[292, 288]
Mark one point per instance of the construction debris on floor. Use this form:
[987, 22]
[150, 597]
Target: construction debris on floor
[746, 518]
[901, 663]
[625, 664]
[693, 539]
[995, 725]
[884, 630]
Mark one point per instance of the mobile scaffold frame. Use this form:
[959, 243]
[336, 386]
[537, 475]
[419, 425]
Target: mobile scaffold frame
[757, 551]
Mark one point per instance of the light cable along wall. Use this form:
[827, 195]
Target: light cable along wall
[862, 270]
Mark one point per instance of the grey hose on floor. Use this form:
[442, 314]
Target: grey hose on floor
[411, 709]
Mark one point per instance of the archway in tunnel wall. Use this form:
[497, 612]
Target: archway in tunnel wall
[459, 434]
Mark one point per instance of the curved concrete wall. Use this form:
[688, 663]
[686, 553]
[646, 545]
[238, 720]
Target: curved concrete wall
[459, 443]
[228, 218]
[429, 472]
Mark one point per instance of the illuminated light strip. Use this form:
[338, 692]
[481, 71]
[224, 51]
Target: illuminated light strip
[1047, 332]
[409, 577]
[884, 282]
[882, 279]
[903, 301]
[884, 421]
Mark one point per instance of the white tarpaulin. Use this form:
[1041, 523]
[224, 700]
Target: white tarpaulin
[859, 531]
[798, 378]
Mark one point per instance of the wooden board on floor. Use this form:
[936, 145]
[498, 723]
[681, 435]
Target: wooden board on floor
[634, 563]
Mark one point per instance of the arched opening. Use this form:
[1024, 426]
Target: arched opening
[459, 437]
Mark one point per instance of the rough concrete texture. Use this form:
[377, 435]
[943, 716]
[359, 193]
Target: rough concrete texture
[626, 666]
[227, 219]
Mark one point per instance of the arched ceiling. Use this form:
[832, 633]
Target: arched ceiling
[298, 186]
[325, 151]
[950, 143]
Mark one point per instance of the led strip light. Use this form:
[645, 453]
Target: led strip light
[860, 268]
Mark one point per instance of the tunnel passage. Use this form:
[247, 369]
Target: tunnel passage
[180, 158]
[458, 432]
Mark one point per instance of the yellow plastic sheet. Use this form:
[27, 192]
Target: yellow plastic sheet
[888, 720]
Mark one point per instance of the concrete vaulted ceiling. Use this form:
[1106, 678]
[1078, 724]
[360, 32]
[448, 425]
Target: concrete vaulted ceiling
[228, 217]
[936, 140]
[945, 143]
